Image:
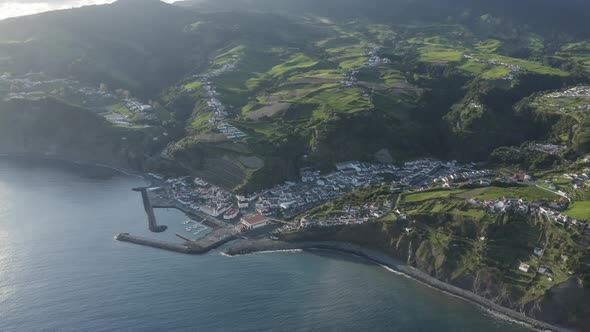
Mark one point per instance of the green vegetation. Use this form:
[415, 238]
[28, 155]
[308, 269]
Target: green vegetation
[454, 239]
[579, 210]
[193, 85]
[422, 196]
[299, 61]
[440, 55]
[528, 193]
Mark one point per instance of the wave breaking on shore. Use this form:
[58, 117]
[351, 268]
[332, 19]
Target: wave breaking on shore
[397, 267]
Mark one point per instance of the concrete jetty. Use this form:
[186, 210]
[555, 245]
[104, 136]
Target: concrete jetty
[126, 237]
[189, 247]
[149, 210]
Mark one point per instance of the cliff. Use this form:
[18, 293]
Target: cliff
[563, 305]
[50, 128]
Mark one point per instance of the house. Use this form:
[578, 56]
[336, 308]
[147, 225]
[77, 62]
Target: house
[254, 221]
[524, 267]
[544, 270]
[243, 204]
[348, 167]
[287, 205]
[231, 214]
[539, 252]
[519, 177]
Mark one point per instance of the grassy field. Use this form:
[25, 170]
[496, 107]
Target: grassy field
[119, 109]
[429, 54]
[527, 193]
[579, 210]
[444, 205]
[496, 72]
[426, 195]
[193, 85]
[532, 66]
[298, 61]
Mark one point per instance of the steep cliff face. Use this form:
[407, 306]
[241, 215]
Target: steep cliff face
[564, 305]
[53, 129]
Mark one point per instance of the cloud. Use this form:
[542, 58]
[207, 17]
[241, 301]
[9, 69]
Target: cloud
[11, 8]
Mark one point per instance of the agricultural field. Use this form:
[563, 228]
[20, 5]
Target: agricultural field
[578, 53]
[278, 92]
[422, 196]
[572, 103]
[449, 45]
[528, 193]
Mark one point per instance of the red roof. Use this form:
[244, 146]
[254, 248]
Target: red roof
[255, 219]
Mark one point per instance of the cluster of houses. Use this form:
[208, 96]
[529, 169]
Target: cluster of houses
[315, 188]
[292, 198]
[374, 61]
[542, 208]
[219, 110]
[556, 216]
[543, 270]
[231, 132]
[573, 93]
[137, 107]
[547, 148]
[578, 180]
[577, 92]
[350, 215]
[37, 85]
[203, 196]
[513, 68]
[466, 176]
[424, 172]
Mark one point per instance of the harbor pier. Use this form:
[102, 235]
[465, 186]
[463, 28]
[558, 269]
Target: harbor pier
[149, 210]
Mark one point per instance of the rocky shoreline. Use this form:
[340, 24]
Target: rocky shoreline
[243, 247]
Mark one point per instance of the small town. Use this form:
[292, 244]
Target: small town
[577, 92]
[198, 197]
[118, 107]
[374, 61]
[510, 76]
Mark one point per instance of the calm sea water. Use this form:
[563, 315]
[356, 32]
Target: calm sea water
[61, 270]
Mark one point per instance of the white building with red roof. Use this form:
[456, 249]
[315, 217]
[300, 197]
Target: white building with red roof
[254, 221]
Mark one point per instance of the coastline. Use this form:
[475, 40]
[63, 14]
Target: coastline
[244, 247]
[127, 172]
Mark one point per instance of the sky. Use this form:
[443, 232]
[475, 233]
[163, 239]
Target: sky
[12, 8]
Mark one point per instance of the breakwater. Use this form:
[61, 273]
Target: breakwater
[126, 237]
[149, 210]
[195, 247]
[253, 246]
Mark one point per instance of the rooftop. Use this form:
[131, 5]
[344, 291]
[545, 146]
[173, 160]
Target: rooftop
[255, 219]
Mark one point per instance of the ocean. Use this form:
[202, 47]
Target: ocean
[61, 270]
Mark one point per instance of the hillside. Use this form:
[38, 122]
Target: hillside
[260, 93]
[516, 258]
[246, 93]
[51, 129]
[130, 44]
[565, 16]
